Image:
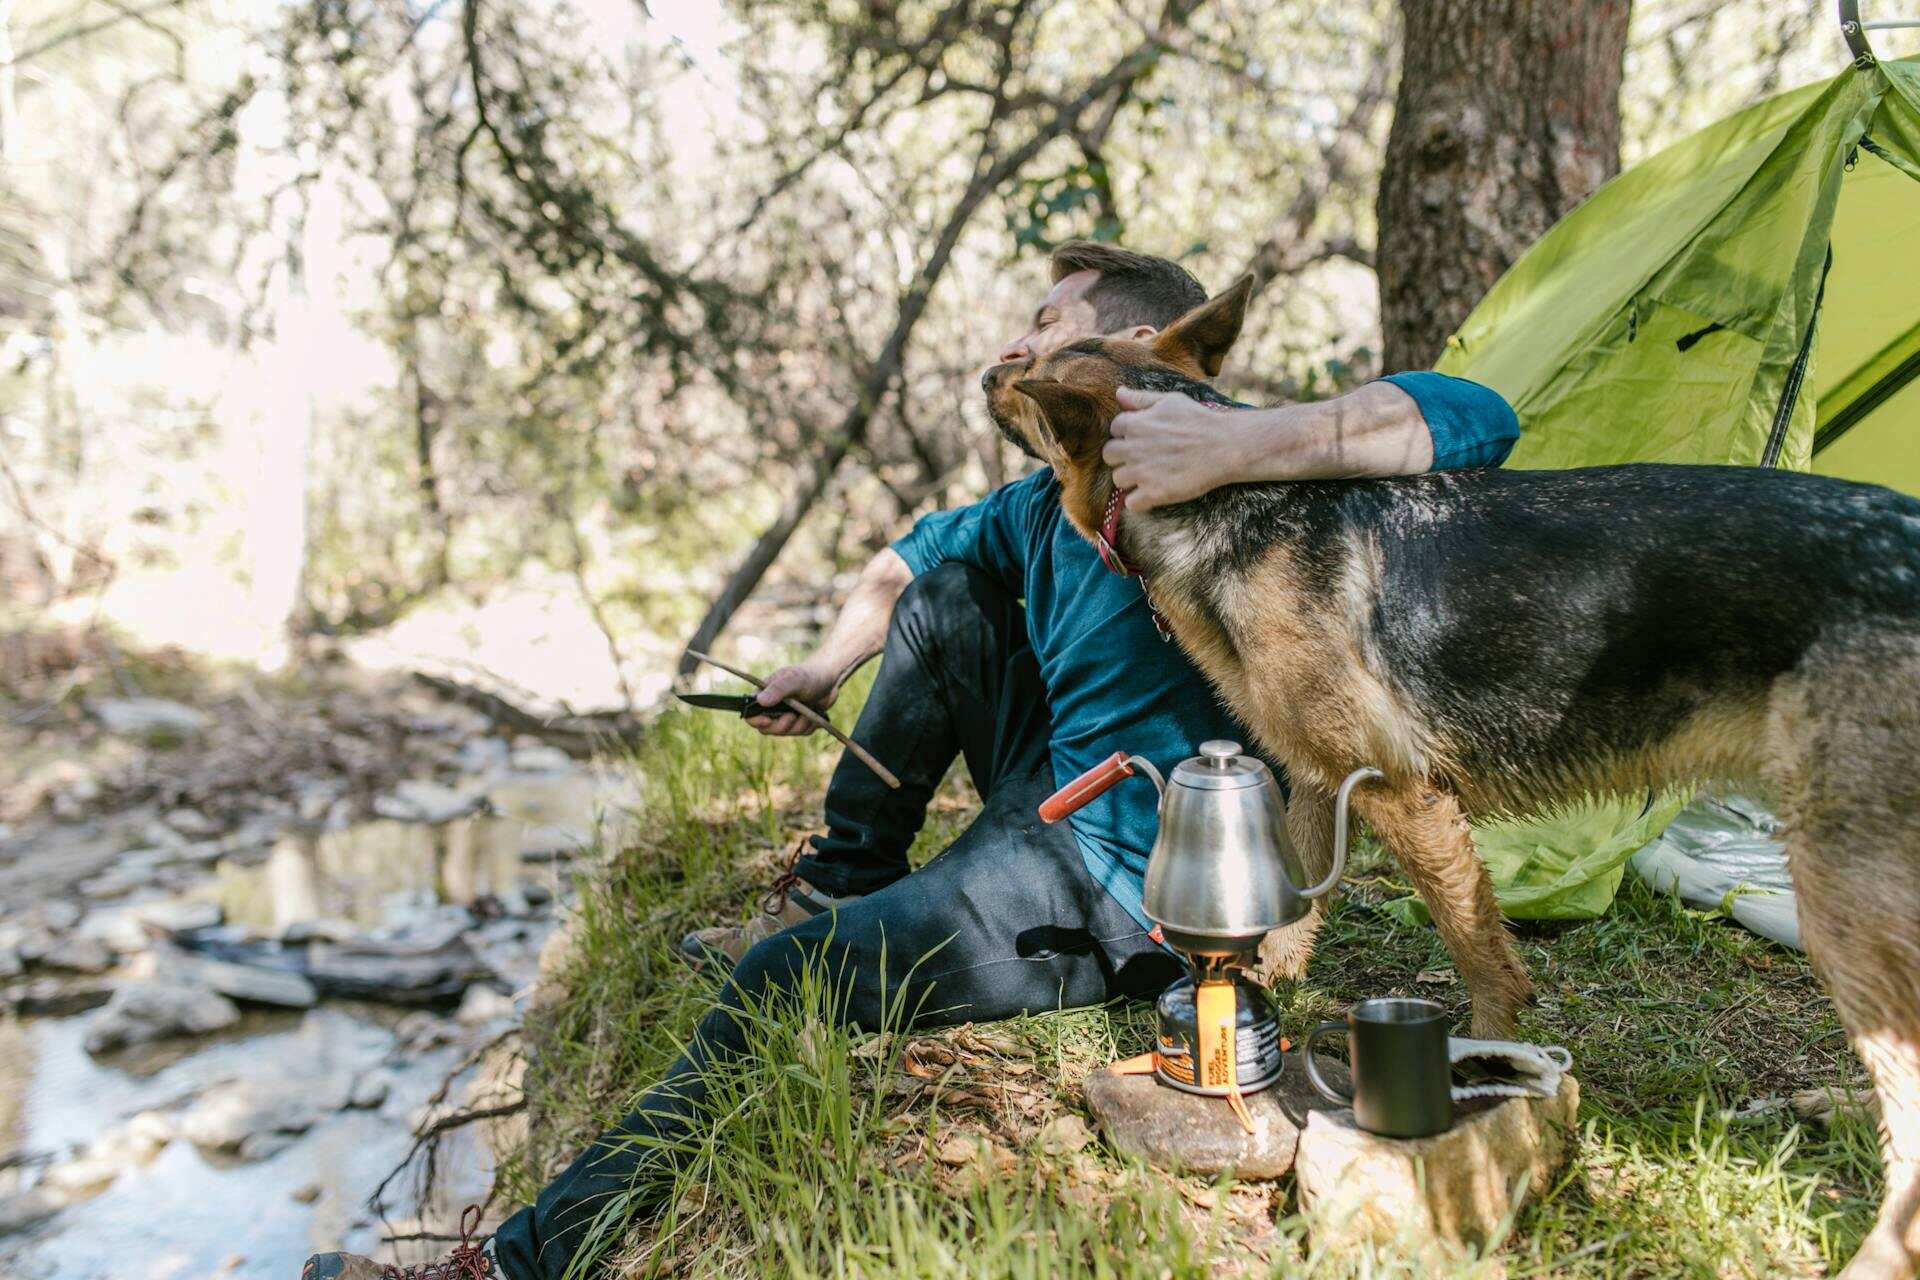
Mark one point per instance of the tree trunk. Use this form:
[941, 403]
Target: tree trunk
[1508, 115]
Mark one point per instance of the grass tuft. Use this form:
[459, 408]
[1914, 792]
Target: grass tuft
[967, 1153]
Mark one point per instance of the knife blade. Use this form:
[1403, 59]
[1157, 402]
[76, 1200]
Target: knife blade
[741, 704]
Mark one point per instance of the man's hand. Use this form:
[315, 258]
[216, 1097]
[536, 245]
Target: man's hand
[807, 681]
[1167, 448]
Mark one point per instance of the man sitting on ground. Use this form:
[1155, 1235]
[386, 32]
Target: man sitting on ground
[1015, 916]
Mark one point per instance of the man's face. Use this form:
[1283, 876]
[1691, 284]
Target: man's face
[1065, 316]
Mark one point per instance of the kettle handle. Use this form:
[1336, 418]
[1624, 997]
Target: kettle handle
[1353, 780]
[1096, 782]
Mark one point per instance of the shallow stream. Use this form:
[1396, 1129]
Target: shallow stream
[182, 1210]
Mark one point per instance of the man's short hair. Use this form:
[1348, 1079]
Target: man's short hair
[1133, 288]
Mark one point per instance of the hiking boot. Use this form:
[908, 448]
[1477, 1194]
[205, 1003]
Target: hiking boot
[790, 901]
[468, 1261]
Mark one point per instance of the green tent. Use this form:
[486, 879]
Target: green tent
[1747, 295]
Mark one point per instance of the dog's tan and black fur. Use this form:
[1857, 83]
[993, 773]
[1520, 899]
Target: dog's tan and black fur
[1500, 642]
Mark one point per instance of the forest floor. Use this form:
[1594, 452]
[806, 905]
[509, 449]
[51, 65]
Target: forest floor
[969, 1151]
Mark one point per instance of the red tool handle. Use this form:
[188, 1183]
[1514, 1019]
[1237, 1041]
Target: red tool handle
[1084, 789]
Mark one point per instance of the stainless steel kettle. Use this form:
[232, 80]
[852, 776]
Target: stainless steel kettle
[1223, 873]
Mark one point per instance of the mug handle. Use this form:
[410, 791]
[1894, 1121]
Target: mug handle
[1314, 1077]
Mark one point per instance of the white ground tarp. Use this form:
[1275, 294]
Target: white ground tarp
[1722, 852]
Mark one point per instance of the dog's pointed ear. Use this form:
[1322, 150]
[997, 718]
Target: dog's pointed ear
[1201, 338]
[1069, 414]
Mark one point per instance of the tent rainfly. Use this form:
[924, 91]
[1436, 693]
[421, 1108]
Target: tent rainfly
[1748, 295]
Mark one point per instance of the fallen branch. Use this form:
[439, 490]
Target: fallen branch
[577, 735]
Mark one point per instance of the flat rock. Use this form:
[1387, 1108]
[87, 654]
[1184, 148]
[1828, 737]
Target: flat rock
[482, 1004]
[540, 757]
[54, 997]
[153, 720]
[421, 800]
[1170, 1129]
[126, 929]
[78, 954]
[192, 823]
[26, 1209]
[258, 1117]
[1432, 1198]
[55, 914]
[254, 984]
[143, 1011]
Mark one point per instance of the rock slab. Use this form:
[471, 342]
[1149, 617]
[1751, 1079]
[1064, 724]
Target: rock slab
[1434, 1199]
[143, 1011]
[1170, 1129]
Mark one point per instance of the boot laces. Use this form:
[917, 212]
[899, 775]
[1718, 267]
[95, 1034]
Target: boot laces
[468, 1261]
[776, 895]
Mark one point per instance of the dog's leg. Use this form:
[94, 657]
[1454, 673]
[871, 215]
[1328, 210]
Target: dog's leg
[1842, 744]
[1284, 952]
[1866, 948]
[1426, 832]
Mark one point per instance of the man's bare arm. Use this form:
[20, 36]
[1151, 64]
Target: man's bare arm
[1169, 448]
[857, 634]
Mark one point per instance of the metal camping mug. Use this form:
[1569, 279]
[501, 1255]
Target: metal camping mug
[1402, 1079]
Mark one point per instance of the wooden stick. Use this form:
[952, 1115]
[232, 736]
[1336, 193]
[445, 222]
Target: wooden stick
[861, 753]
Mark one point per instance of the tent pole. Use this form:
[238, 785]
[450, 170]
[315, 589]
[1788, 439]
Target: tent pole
[1855, 33]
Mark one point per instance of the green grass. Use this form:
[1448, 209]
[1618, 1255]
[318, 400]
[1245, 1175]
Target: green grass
[963, 1153]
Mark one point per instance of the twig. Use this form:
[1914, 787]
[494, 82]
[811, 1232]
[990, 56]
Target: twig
[860, 753]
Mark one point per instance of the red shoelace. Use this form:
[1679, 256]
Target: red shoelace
[468, 1261]
[776, 894]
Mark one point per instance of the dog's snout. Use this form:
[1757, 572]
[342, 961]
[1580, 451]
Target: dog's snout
[1000, 374]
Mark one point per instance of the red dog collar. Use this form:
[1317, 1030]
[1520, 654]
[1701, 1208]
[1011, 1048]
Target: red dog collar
[1107, 543]
[1108, 539]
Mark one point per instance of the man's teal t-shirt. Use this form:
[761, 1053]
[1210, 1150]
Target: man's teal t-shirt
[1112, 683]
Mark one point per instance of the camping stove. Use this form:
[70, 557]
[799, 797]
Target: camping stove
[1210, 1062]
[1222, 876]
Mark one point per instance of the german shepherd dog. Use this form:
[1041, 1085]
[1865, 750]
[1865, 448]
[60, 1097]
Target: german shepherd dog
[1503, 642]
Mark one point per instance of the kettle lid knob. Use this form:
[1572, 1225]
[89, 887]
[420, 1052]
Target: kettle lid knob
[1219, 751]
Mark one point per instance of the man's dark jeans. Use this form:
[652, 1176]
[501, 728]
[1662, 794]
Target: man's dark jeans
[1007, 917]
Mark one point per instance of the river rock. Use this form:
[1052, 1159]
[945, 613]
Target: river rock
[257, 1117]
[155, 721]
[370, 1091]
[418, 800]
[12, 963]
[423, 1029]
[153, 1010]
[540, 757]
[192, 823]
[53, 997]
[26, 1209]
[255, 984]
[78, 954]
[78, 1176]
[130, 929]
[1432, 1198]
[319, 929]
[1170, 1129]
[55, 915]
[27, 938]
[482, 1004]
[122, 878]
